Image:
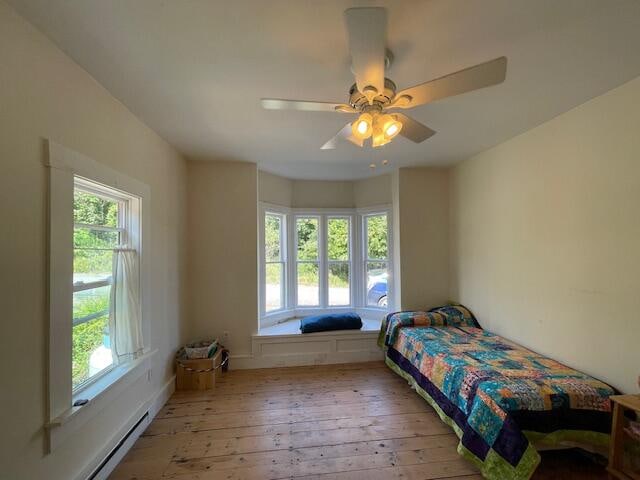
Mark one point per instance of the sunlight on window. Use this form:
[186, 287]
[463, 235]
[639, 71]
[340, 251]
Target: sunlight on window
[377, 262]
[274, 262]
[319, 259]
[308, 267]
[338, 233]
[96, 234]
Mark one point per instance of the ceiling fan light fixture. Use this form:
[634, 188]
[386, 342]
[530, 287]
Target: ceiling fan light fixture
[390, 126]
[379, 139]
[363, 126]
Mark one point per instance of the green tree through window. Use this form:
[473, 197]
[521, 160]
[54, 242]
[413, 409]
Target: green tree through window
[92, 260]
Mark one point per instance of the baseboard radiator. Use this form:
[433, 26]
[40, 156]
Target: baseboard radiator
[109, 463]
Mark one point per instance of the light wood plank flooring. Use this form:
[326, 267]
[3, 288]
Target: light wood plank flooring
[336, 422]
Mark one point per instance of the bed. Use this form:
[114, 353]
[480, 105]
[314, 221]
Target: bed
[504, 402]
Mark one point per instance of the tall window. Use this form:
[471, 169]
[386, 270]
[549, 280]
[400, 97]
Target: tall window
[274, 254]
[96, 285]
[99, 229]
[376, 259]
[340, 259]
[307, 261]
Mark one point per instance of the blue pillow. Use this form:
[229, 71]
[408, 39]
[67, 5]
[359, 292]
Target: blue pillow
[331, 321]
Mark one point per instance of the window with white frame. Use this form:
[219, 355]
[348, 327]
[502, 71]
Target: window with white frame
[274, 261]
[307, 261]
[340, 260]
[376, 259]
[96, 284]
[100, 228]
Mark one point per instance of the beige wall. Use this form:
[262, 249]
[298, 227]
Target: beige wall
[546, 237]
[44, 94]
[223, 262]
[421, 229]
[395, 295]
[323, 193]
[373, 191]
[275, 189]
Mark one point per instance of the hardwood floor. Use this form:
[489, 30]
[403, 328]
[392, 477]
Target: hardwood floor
[331, 422]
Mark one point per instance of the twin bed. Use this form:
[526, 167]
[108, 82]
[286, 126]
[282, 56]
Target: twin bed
[503, 401]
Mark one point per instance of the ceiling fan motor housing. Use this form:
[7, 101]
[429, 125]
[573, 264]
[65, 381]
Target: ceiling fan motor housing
[360, 102]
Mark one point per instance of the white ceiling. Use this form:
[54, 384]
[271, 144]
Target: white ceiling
[194, 71]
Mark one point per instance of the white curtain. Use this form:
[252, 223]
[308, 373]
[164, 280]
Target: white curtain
[125, 317]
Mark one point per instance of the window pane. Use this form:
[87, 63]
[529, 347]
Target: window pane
[339, 284]
[91, 345]
[377, 284]
[338, 239]
[272, 237]
[377, 237]
[94, 210]
[88, 302]
[91, 265]
[308, 284]
[274, 280]
[92, 238]
[307, 232]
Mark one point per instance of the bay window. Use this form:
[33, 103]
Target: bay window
[376, 259]
[274, 252]
[340, 260]
[307, 262]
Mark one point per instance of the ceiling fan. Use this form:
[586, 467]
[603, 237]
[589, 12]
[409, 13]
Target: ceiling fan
[375, 98]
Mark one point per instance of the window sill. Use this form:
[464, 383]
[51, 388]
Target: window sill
[370, 326]
[281, 316]
[99, 394]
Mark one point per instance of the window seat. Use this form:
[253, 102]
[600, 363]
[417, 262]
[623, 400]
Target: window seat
[292, 327]
[283, 345]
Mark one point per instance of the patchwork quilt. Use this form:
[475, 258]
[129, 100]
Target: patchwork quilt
[452, 315]
[498, 397]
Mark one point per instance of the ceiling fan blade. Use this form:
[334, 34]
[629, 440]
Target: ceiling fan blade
[412, 129]
[367, 29]
[344, 133]
[302, 105]
[472, 78]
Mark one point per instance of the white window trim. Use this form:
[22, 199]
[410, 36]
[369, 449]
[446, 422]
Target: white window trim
[64, 165]
[100, 394]
[357, 280]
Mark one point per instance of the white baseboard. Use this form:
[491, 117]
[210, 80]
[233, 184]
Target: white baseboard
[270, 351]
[162, 397]
[151, 407]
